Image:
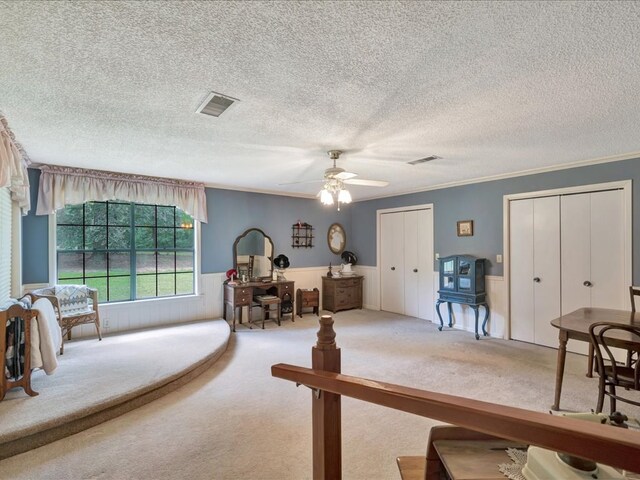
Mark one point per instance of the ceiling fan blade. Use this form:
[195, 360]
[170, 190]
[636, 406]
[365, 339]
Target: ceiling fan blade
[367, 183]
[346, 175]
[302, 181]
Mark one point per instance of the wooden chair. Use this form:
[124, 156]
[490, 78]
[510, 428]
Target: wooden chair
[631, 358]
[74, 305]
[15, 345]
[613, 374]
[633, 293]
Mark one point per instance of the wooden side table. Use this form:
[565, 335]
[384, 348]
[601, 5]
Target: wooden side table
[307, 298]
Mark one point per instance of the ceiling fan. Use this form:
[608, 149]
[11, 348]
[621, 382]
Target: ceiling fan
[334, 180]
[335, 174]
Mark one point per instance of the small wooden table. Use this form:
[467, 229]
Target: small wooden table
[575, 325]
[458, 454]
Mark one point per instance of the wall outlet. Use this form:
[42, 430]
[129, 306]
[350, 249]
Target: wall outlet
[105, 323]
[499, 258]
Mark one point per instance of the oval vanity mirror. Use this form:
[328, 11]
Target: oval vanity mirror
[337, 238]
[253, 255]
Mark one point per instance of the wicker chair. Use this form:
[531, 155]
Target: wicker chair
[72, 306]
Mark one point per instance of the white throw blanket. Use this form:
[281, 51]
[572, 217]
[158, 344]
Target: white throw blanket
[46, 337]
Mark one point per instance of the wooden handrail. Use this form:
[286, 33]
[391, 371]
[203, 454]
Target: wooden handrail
[602, 443]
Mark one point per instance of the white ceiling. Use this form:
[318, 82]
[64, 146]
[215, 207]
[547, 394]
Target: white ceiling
[492, 87]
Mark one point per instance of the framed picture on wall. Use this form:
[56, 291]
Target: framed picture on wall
[465, 228]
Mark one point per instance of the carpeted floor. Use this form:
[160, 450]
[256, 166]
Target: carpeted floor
[237, 422]
[93, 376]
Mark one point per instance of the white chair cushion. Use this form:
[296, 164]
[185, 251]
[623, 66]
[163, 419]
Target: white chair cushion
[73, 299]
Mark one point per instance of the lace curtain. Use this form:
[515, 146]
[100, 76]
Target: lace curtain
[13, 167]
[60, 186]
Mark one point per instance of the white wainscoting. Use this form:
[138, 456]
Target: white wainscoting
[118, 317]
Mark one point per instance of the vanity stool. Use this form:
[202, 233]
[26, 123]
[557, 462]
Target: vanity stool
[265, 302]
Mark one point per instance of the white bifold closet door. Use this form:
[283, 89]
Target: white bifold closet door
[535, 269]
[592, 249]
[406, 248]
[392, 262]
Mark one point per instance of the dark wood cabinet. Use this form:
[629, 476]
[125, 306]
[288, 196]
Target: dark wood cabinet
[462, 281]
[341, 293]
[307, 298]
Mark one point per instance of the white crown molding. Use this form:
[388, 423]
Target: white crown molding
[259, 190]
[521, 173]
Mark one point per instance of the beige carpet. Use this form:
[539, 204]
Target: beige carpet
[93, 376]
[237, 422]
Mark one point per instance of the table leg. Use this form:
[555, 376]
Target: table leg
[562, 353]
[438, 303]
[486, 317]
[475, 311]
[234, 319]
[450, 314]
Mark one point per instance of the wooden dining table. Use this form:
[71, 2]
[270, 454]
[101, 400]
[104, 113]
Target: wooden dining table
[575, 325]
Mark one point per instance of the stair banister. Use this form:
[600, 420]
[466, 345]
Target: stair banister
[602, 443]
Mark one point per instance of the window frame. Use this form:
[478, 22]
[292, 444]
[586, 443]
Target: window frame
[53, 254]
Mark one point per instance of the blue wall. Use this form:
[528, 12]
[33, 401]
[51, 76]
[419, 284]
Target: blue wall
[35, 235]
[232, 212]
[482, 203]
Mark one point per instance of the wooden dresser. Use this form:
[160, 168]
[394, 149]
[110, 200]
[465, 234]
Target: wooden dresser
[341, 293]
[241, 295]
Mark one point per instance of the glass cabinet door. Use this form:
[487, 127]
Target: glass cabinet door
[448, 267]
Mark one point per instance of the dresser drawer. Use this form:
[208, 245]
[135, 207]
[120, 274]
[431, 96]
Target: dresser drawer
[239, 293]
[345, 283]
[243, 300]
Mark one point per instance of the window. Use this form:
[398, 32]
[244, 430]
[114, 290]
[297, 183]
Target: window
[127, 251]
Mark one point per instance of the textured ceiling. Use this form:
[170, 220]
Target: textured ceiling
[491, 87]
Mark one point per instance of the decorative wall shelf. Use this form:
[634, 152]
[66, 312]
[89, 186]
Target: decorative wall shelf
[301, 235]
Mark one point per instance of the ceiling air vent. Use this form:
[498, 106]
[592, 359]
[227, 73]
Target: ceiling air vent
[215, 104]
[424, 160]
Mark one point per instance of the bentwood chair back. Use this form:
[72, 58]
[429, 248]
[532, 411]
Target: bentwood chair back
[612, 373]
[633, 293]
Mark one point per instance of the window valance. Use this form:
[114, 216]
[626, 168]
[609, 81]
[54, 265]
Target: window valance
[60, 186]
[13, 167]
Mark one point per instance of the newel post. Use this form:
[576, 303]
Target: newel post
[327, 433]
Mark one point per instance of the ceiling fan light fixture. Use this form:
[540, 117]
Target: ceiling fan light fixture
[325, 197]
[344, 196]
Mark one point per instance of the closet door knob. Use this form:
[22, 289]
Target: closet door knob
[536, 279]
[587, 283]
[415, 270]
[393, 268]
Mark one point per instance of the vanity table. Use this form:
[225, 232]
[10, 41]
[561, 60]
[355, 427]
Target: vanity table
[253, 259]
[241, 295]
